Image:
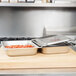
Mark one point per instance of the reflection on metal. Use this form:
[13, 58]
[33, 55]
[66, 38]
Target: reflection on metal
[30, 22]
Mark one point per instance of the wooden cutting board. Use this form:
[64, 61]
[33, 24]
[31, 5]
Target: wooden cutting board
[66, 60]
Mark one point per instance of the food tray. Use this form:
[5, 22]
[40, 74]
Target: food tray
[19, 51]
[58, 48]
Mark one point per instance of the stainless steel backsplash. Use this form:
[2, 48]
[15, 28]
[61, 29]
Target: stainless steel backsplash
[30, 22]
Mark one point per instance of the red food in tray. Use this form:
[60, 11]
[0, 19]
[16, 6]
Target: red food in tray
[19, 46]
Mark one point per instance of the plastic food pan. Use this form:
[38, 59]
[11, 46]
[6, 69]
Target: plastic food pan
[20, 51]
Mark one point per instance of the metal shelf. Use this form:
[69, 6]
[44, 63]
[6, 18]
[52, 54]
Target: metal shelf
[37, 4]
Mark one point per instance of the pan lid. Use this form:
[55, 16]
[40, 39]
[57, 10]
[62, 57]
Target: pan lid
[46, 41]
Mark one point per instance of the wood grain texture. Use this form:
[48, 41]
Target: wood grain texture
[65, 60]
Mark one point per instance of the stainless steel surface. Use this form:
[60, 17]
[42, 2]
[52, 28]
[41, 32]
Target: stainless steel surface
[30, 22]
[22, 42]
[37, 4]
[50, 41]
[16, 22]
